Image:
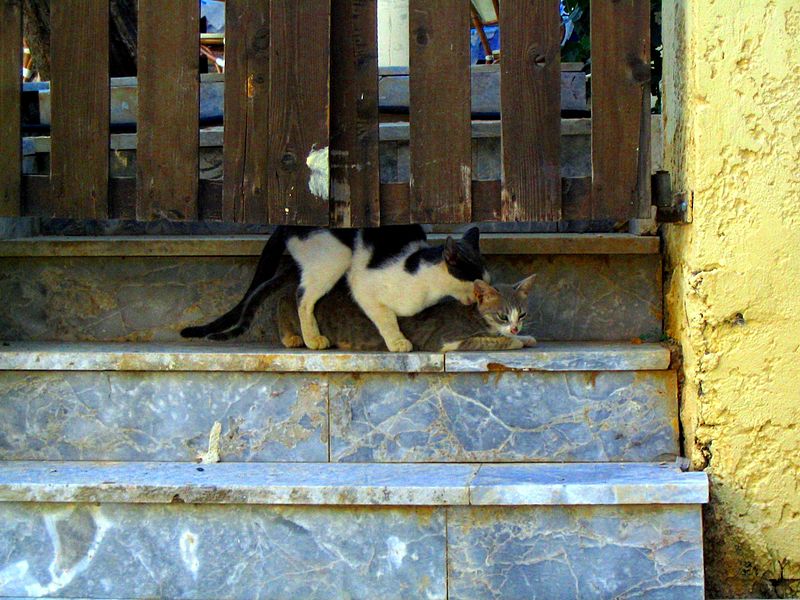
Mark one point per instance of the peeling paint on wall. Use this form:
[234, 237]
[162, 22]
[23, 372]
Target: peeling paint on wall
[732, 127]
[319, 180]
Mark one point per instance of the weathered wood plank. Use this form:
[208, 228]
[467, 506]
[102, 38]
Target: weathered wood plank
[530, 106]
[246, 105]
[10, 98]
[80, 109]
[167, 157]
[299, 175]
[441, 155]
[355, 176]
[620, 31]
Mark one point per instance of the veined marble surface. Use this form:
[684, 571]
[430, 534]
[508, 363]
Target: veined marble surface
[351, 484]
[139, 416]
[504, 417]
[151, 298]
[567, 553]
[211, 552]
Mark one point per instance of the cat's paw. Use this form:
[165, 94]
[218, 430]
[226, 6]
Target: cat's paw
[515, 344]
[292, 341]
[527, 340]
[399, 345]
[318, 342]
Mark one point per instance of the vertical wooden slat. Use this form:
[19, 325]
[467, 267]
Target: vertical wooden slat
[355, 172]
[441, 154]
[298, 168]
[168, 125]
[246, 105]
[80, 108]
[530, 101]
[10, 83]
[620, 31]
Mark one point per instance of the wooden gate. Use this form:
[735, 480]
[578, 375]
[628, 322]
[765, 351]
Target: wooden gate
[302, 123]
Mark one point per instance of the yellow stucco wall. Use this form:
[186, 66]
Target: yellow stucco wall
[732, 139]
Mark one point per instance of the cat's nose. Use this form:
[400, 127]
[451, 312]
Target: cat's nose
[515, 330]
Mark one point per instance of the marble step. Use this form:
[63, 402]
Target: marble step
[145, 530]
[146, 288]
[566, 402]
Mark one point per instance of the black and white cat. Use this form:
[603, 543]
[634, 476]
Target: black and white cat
[391, 272]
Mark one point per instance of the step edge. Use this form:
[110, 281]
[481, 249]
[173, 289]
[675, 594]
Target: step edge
[251, 245]
[177, 357]
[337, 484]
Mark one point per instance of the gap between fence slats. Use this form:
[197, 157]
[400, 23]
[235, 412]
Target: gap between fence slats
[80, 109]
[620, 33]
[298, 166]
[246, 105]
[440, 143]
[10, 97]
[168, 120]
[530, 81]
[355, 174]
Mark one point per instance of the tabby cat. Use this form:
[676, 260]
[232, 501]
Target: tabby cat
[494, 323]
[391, 272]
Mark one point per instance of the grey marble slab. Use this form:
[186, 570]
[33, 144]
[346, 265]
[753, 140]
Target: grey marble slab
[504, 417]
[141, 416]
[183, 551]
[613, 297]
[581, 483]
[561, 356]
[351, 484]
[568, 553]
[236, 483]
[33, 356]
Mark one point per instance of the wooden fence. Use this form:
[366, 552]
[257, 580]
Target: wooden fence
[302, 121]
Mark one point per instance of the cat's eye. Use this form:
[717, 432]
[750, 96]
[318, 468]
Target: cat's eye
[523, 315]
[503, 317]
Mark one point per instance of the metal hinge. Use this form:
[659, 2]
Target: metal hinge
[671, 207]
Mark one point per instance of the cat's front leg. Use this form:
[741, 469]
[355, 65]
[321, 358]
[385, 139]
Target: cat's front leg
[386, 321]
[527, 340]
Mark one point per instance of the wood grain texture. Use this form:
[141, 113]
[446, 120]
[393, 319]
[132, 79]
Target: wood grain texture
[530, 81]
[299, 175]
[355, 173]
[80, 109]
[168, 125]
[441, 155]
[246, 108]
[10, 98]
[620, 32]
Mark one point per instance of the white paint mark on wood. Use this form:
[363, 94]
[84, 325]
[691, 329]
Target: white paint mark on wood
[319, 165]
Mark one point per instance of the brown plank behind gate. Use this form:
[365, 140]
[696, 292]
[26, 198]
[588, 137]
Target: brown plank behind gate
[168, 126]
[246, 104]
[355, 176]
[80, 109]
[10, 88]
[440, 144]
[299, 176]
[530, 87]
[620, 31]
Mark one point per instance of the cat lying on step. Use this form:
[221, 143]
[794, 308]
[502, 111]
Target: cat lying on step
[391, 272]
[494, 323]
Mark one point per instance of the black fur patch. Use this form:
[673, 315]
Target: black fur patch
[300, 293]
[464, 261]
[387, 242]
[428, 255]
[346, 236]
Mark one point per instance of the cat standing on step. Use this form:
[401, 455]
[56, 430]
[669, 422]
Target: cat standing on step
[391, 273]
[494, 323]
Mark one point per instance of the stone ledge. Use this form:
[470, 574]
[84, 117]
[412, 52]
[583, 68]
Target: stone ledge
[251, 245]
[352, 484]
[548, 356]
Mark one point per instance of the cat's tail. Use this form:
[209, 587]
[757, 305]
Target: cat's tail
[238, 319]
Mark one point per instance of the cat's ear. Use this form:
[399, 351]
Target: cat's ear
[472, 237]
[523, 288]
[484, 292]
[450, 251]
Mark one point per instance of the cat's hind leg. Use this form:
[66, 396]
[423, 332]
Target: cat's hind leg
[324, 260]
[288, 326]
